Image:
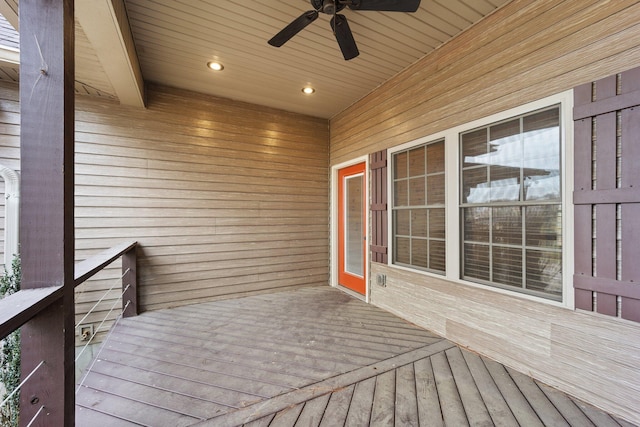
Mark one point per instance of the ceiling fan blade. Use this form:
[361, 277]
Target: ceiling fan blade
[386, 5]
[293, 28]
[344, 36]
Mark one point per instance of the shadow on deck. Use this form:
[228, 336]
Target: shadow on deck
[310, 357]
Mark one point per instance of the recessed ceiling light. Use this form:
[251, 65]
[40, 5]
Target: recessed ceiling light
[215, 66]
[308, 90]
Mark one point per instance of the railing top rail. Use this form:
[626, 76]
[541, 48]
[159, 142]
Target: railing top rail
[17, 309]
[90, 266]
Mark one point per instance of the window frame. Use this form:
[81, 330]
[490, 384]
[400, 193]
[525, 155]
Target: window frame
[521, 204]
[426, 206]
[453, 184]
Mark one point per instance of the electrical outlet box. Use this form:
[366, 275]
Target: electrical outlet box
[86, 332]
[381, 280]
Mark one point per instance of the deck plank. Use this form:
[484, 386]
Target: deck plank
[336, 411]
[132, 411]
[599, 418]
[566, 406]
[245, 386]
[406, 405]
[474, 406]
[335, 313]
[183, 357]
[287, 417]
[450, 402]
[361, 404]
[261, 422]
[273, 343]
[623, 423]
[313, 411]
[518, 404]
[90, 417]
[215, 394]
[349, 326]
[293, 373]
[544, 408]
[383, 413]
[353, 343]
[239, 348]
[495, 403]
[429, 412]
[150, 395]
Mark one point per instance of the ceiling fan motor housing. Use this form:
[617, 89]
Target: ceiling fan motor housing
[329, 7]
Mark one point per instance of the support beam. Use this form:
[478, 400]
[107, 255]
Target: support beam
[47, 71]
[9, 9]
[9, 52]
[106, 25]
[9, 57]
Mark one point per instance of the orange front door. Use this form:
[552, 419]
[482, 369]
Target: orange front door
[352, 228]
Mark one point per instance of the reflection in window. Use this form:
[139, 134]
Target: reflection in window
[511, 204]
[418, 209]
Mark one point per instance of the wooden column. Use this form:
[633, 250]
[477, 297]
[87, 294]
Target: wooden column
[46, 226]
[130, 283]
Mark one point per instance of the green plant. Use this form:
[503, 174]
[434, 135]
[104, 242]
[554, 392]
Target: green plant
[10, 354]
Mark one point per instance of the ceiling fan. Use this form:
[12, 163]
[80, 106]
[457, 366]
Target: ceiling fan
[339, 23]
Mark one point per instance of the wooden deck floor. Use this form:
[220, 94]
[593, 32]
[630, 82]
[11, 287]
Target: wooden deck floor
[311, 357]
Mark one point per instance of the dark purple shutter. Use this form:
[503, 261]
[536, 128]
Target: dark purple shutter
[378, 168]
[607, 195]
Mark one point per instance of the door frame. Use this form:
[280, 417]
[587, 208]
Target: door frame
[333, 241]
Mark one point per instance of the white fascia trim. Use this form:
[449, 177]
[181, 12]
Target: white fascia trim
[9, 56]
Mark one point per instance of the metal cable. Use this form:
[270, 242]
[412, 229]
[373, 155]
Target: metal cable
[117, 282]
[21, 384]
[95, 332]
[35, 416]
[84, 377]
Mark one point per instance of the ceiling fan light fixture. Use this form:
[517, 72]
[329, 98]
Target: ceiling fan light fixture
[308, 90]
[215, 66]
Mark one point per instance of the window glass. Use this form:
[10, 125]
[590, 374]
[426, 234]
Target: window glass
[510, 202]
[418, 207]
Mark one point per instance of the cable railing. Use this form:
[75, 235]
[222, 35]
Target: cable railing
[115, 284]
[32, 307]
[17, 389]
[96, 330]
[93, 362]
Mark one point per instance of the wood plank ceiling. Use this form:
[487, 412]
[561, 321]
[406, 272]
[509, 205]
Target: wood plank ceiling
[175, 39]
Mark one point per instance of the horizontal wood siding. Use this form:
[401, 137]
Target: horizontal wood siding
[522, 52]
[224, 198]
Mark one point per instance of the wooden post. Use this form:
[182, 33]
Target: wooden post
[46, 226]
[130, 279]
